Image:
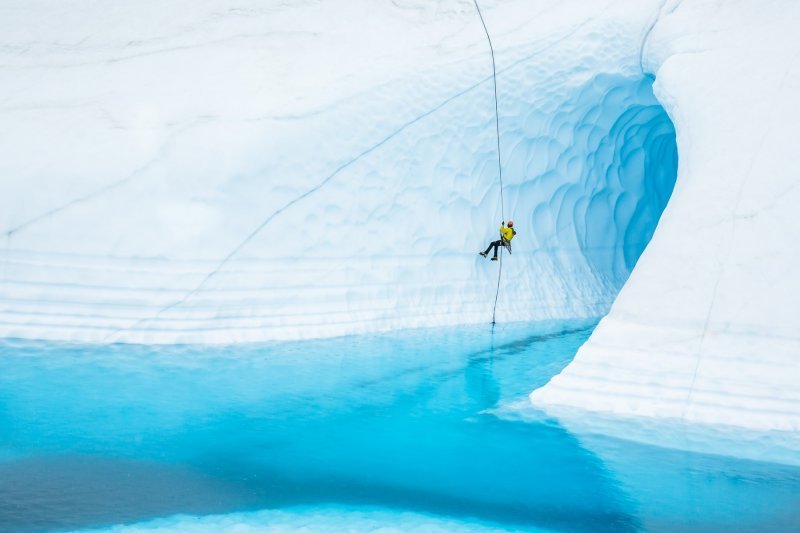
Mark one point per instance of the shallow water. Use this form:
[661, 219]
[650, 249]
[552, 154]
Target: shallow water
[95, 436]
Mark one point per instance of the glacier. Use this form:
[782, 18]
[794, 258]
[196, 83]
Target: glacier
[176, 172]
[184, 198]
[705, 331]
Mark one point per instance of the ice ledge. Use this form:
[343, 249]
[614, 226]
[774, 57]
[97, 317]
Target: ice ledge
[672, 373]
[595, 427]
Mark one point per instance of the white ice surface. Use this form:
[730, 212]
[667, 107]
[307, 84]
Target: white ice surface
[187, 172]
[308, 519]
[707, 328]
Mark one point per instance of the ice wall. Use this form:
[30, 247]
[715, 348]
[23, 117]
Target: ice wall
[183, 172]
[707, 328]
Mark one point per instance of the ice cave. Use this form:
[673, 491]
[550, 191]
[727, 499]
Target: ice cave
[240, 287]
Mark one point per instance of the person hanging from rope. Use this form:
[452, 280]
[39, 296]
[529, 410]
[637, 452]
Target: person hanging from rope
[507, 233]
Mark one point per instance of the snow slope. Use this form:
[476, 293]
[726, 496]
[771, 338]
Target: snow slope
[186, 172]
[706, 328]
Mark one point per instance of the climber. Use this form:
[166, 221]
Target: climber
[506, 234]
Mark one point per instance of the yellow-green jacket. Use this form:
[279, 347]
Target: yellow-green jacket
[507, 233]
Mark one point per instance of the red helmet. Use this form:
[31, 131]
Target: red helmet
[510, 224]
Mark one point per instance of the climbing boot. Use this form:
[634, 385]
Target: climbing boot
[484, 254]
[494, 259]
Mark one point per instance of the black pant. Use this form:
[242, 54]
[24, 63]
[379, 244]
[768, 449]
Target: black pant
[496, 245]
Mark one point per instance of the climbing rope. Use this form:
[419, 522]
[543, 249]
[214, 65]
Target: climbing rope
[497, 292]
[499, 164]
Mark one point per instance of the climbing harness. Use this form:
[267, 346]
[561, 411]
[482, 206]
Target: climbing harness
[499, 164]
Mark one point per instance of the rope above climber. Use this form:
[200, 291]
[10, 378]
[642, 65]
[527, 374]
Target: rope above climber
[507, 233]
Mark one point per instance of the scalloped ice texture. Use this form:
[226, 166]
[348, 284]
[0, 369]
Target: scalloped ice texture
[189, 196]
[706, 330]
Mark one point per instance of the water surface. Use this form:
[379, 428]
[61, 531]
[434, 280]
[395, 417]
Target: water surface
[95, 435]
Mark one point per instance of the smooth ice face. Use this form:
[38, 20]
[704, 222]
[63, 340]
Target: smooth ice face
[219, 184]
